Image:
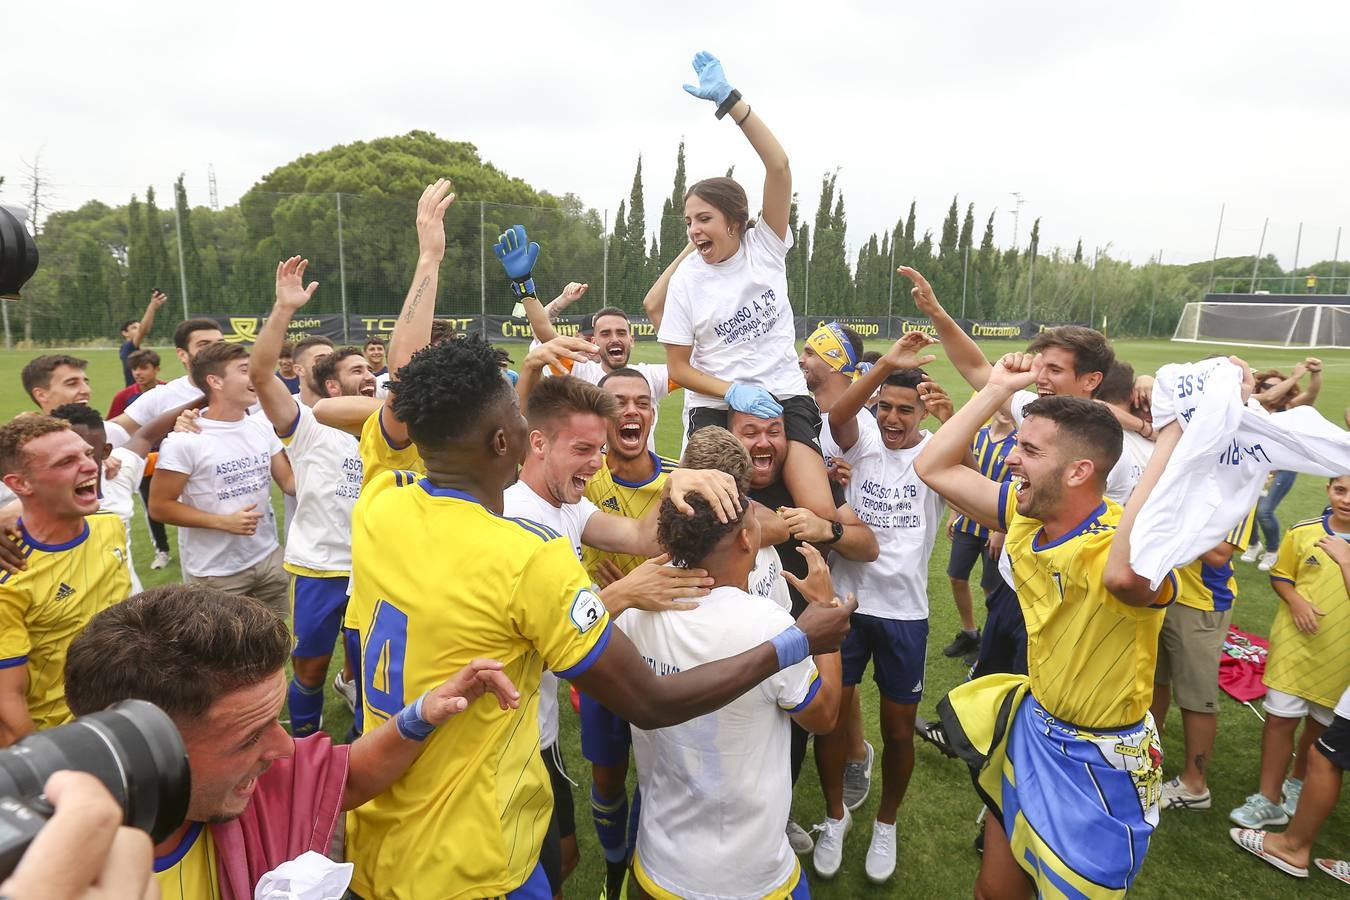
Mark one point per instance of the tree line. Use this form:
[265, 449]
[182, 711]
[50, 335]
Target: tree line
[350, 210]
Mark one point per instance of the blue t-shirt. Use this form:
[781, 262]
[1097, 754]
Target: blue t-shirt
[124, 351]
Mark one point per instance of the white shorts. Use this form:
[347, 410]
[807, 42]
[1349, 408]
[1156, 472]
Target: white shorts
[1287, 706]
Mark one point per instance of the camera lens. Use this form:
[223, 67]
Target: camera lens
[132, 747]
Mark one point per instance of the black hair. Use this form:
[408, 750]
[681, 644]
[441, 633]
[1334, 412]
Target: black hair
[623, 372]
[906, 378]
[326, 368]
[38, 372]
[1084, 422]
[445, 390]
[690, 538]
[182, 335]
[79, 414]
[608, 311]
[127, 324]
[1117, 384]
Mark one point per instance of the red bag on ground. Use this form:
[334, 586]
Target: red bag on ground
[1242, 664]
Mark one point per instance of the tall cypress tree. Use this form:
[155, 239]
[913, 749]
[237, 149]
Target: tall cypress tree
[967, 229]
[909, 227]
[201, 288]
[830, 279]
[161, 270]
[1078, 252]
[950, 233]
[618, 249]
[140, 277]
[673, 234]
[636, 256]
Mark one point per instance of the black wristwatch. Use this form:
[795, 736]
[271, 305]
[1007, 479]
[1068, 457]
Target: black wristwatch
[836, 532]
[732, 99]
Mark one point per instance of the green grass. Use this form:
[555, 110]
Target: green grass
[1191, 856]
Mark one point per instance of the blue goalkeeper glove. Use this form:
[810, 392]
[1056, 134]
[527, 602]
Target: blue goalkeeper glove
[517, 254]
[753, 400]
[712, 81]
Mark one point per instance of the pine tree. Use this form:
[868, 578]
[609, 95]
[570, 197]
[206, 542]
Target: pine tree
[673, 233]
[831, 282]
[618, 248]
[909, 227]
[796, 258]
[636, 280]
[201, 288]
[948, 245]
[1078, 253]
[985, 284]
[967, 229]
[161, 270]
[140, 277]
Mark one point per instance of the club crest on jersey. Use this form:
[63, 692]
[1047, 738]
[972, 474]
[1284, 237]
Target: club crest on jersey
[587, 609]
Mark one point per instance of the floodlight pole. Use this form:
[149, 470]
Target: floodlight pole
[1335, 258]
[1256, 260]
[1215, 258]
[1298, 244]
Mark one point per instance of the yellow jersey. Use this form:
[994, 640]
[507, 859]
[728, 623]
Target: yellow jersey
[632, 500]
[438, 579]
[43, 607]
[378, 455]
[1315, 667]
[189, 871]
[1090, 657]
[1213, 588]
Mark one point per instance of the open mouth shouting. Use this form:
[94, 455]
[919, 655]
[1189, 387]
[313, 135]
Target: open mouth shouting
[705, 249]
[892, 436]
[762, 462]
[86, 492]
[616, 353]
[630, 437]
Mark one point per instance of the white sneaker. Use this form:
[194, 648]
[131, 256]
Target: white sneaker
[829, 853]
[798, 839]
[346, 690]
[1267, 560]
[161, 559]
[880, 865]
[1253, 553]
[1292, 790]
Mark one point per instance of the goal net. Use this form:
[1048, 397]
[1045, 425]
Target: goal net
[1265, 324]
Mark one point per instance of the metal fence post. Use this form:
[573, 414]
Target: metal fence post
[342, 273]
[482, 267]
[9, 343]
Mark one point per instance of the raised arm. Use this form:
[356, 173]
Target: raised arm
[541, 317]
[157, 299]
[655, 302]
[713, 86]
[154, 431]
[1309, 397]
[903, 354]
[550, 356]
[412, 331]
[277, 402]
[941, 463]
[1119, 578]
[622, 681]
[960, 347]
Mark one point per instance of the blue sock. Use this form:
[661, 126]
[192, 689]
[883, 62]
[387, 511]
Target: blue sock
[306, 705]
[611, 825]
[634, 816]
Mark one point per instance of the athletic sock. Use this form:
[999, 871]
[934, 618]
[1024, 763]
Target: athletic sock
[611, 825]
[634, 819]
[306, 705]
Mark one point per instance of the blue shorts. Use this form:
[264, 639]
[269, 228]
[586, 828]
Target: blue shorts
[317, 608]
[898, 648]
[605, 738]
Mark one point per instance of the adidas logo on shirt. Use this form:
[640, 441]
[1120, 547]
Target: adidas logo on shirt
[64, 592]
[611, 503]
[1311, 561]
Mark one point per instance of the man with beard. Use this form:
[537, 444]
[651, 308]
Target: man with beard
[612, 332]
[327, 464]
[1066, 758]
[77, 565]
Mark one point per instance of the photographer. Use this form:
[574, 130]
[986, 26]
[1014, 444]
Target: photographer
[215, 663]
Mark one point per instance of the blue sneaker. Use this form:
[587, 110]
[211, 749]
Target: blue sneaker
[1258, 812]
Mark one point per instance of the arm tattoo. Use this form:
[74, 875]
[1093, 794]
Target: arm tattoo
[417, 299]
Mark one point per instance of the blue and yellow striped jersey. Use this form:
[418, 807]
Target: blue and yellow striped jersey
[438, 579]
[43, 607]
[1315, 667]
[188, 872]
[1090, 657]
[992, 458]
[1214, 588]
[378, 455]
[629, 499]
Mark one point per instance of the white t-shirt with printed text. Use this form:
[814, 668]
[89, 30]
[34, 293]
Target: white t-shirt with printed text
[521, 502]
[904, 514]
[718, 789]
[328, 470]
[766, 578]
[737, 318]
[119, 497]
[229, 467]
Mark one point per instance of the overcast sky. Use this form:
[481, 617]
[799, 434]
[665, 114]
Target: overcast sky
[1129, 123]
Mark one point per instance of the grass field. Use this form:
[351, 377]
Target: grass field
[1191, 855]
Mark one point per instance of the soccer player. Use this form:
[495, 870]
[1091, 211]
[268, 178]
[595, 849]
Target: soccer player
[214, 662]
[1291, 850]
[189, 338]
[134, 333]
[717, 788]
[501, 586]
[120, 468]
[77, 565]
[1073, 780]
[1308, 668]
[1189, 649]
[327, 465]
[971, 541]
[144, 366]
[611, 331]
[891, 625]
[216, 485]
[56, 379]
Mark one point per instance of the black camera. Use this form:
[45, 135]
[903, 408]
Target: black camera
[18, 254]
[132, 747]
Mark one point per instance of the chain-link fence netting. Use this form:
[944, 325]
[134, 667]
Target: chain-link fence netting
[97, 273]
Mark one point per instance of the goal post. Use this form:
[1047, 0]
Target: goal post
[1265, 324]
